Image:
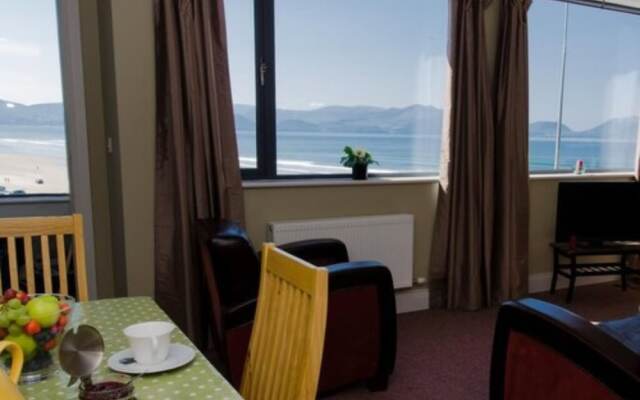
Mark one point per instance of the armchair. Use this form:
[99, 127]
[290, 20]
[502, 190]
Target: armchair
[360, 339]
[542, 351]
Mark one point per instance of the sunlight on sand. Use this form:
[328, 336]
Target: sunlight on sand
[23, 172]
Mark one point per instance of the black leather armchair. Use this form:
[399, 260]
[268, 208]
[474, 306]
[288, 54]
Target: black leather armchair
[360, 340]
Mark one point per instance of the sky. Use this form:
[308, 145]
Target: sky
[345, 52]
[392, 53]
[29, 52]
[385, 53]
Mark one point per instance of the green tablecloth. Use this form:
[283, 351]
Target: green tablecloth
[198, 380]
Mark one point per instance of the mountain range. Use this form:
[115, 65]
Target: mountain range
[354, 119]
[12, 113]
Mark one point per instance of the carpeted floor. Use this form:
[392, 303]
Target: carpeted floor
[446, 355]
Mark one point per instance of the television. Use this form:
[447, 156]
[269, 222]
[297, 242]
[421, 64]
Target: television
[597, 212]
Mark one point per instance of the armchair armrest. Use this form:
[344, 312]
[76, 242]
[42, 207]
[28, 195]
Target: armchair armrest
[372, 274]
[239, 314]
[320, 252]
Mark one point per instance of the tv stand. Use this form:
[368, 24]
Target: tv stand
[575, 269]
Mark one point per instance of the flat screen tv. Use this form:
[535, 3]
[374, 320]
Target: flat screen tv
[597, 212]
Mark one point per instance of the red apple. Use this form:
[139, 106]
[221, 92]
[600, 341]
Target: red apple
[23, 297]
[65, 308]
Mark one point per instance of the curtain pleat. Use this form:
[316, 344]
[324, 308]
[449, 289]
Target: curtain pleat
[480, 242]
[197, 167]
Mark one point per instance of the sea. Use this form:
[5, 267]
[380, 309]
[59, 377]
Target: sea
[320, 152]
[33, 140]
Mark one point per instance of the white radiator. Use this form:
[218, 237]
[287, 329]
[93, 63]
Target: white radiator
[384, 238]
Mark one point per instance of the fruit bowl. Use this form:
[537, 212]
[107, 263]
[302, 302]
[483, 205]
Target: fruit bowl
[36, 323]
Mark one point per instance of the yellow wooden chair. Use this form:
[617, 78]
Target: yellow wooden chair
[42, 228]
[285, 351]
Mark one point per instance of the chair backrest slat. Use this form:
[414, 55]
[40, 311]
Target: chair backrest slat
[13, 262]
[62, 264]
[25, 229]
[28, 262]
[80, 266]
[46, 263]
[285, 351]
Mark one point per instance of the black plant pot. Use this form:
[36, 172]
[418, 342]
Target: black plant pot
[359, 172]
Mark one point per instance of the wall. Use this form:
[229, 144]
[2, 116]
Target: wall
[264, 205]
[130, 105]
[127, 48]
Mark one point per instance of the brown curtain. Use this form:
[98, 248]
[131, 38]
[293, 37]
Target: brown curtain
[511, 225]
[484, 160]
[197, 170]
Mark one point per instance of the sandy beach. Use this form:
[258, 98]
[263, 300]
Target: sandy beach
[22, 172]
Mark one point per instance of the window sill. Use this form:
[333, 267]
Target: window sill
[26, 199]
[319, 182]
[408, 180]
[573, 177]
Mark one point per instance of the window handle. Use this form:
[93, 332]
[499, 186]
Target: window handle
[263, 72]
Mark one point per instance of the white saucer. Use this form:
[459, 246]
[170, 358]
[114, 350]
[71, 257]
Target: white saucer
[179, 355]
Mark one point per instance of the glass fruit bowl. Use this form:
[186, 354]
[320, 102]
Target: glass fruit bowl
[36, 323]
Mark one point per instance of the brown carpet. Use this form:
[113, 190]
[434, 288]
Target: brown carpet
[446, 354]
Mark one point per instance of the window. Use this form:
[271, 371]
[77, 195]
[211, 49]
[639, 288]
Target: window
[336, 73]
[33, 155]
[584, 87]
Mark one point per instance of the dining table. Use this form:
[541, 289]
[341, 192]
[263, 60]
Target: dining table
[197, 380]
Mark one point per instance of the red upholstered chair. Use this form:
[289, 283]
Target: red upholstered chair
[542, 351]
[360, 340]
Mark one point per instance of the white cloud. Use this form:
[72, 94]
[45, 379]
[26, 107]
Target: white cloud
[11, 48]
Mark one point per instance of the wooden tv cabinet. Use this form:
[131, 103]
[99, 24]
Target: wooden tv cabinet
[575, 269]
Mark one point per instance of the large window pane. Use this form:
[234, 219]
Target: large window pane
[546, 31]
[361, 73]
[601, 91]
[240, 41]
[33, 157]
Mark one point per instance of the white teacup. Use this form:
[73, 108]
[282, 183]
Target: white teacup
[150, 341]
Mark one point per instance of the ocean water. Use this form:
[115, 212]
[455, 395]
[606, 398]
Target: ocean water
[320, 152]
[28, 140]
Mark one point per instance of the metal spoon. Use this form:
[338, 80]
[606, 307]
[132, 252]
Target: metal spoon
[81, 353]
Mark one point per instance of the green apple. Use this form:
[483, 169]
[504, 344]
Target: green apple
[44, 312]
[49, 298]
[26, 342]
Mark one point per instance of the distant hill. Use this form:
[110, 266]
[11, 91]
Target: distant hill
[12, 113]
[353, 119]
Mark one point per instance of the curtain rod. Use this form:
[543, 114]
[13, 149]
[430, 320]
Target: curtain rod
[607, 5]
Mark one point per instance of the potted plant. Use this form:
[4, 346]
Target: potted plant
[358, 160]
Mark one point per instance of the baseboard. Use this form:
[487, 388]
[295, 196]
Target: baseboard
[412, 299]
[417, 297]
[541, 282]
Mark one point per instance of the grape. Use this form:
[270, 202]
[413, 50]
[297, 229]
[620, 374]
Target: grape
[15, 329]
[14, 303]
[23, 320]
[4, 321]
[13, 315]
